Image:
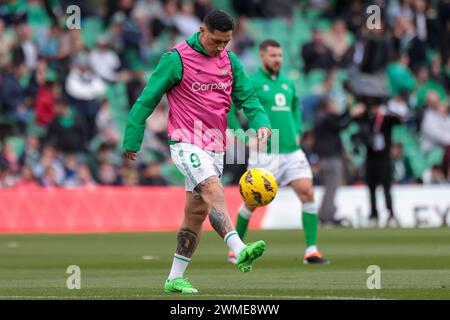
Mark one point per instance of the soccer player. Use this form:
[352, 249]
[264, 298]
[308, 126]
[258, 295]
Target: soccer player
[288, 164]
[201, 79]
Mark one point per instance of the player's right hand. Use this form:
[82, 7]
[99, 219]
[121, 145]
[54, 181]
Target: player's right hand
[130, 155]
[264, 134]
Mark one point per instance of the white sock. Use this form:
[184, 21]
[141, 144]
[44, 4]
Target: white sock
[179, 265]
[311, 249]
[234, 242]
[244, 212]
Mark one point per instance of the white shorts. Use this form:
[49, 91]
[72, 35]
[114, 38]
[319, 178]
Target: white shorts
[286, 167]
[195, 163]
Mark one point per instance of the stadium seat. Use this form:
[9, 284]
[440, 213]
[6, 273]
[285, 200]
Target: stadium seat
[91, 28]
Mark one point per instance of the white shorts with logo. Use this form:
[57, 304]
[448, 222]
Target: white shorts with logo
[286, 167]
[195, 163]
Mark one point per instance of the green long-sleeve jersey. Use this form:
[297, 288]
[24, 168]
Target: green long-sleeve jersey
[169, 73]
[277, 95]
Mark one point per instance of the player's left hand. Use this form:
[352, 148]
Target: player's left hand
[130, 155]
[264, 134]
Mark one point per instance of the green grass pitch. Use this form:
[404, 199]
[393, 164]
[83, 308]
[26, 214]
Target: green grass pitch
[414, 263]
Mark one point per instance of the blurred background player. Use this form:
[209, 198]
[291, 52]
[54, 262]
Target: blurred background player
[286, 160]
[201, 79]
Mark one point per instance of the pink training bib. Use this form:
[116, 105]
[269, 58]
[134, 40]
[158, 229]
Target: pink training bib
[199, 104]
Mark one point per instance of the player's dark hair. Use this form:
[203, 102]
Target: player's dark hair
[269, 43]
[218, 20]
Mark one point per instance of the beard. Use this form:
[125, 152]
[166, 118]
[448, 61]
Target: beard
[273, 69]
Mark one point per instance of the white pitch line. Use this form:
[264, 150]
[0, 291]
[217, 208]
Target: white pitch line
[205, 295]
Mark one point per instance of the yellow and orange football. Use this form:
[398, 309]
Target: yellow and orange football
[258, 187]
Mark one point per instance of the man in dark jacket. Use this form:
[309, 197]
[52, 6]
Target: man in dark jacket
[376, 128]
[316, 55]
[329, 148]
[67, 131]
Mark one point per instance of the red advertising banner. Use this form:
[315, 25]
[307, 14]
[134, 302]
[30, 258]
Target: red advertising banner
[101, 209]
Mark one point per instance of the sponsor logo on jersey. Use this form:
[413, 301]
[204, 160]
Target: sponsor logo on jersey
[284, 86]
[197, 86]
[280, 108]
[266, 87]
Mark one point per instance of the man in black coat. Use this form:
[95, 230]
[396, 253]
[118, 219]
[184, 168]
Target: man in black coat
[329, 148]
[376, 129]
[67, 132]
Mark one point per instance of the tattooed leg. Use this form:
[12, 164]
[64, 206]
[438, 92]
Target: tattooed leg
[195, 213]
[212, 193]
[187, 242]
[220, 222]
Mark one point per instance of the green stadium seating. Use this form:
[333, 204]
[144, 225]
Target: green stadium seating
[91, 28]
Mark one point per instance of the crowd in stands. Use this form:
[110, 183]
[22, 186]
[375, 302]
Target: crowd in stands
[65, 92]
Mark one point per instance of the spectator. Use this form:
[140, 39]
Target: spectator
[10, 156]
[151, 175]
[26, 178]
[67, 131]
[49, 44]
[201, 8]
[435, 128]
[116, 31]
[106, 126]
[49, 158]
[84, 177]
[436, 72]
[27, 46]
[434, 175]
[129, 173]
[31, 154]
[402, 171]
[166, 21]
[45, 99]
[280, 8]
[13, 95]
[354, 16]
[185, 20]
[328, 146]
[405, 39]
[338, 41]
[377, 124]
[315, 54]
[49, 179]
[399, 76]
[85, 89]
[104, 61]
[374, 52]
[399, 8]
[6, 179]
[6, 45]
[108, 175]
[104, 154]
[241, 42]
[71, 165]
[249, 8]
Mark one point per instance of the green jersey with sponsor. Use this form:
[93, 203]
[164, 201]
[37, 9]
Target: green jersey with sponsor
[278, 97]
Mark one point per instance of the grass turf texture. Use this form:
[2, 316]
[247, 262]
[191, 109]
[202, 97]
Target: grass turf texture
[415, 264]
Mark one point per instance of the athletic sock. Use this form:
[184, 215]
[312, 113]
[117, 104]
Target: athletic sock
[310, 221]
[179, 265]
[243, 219]
[234, 242]
[311, 249]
